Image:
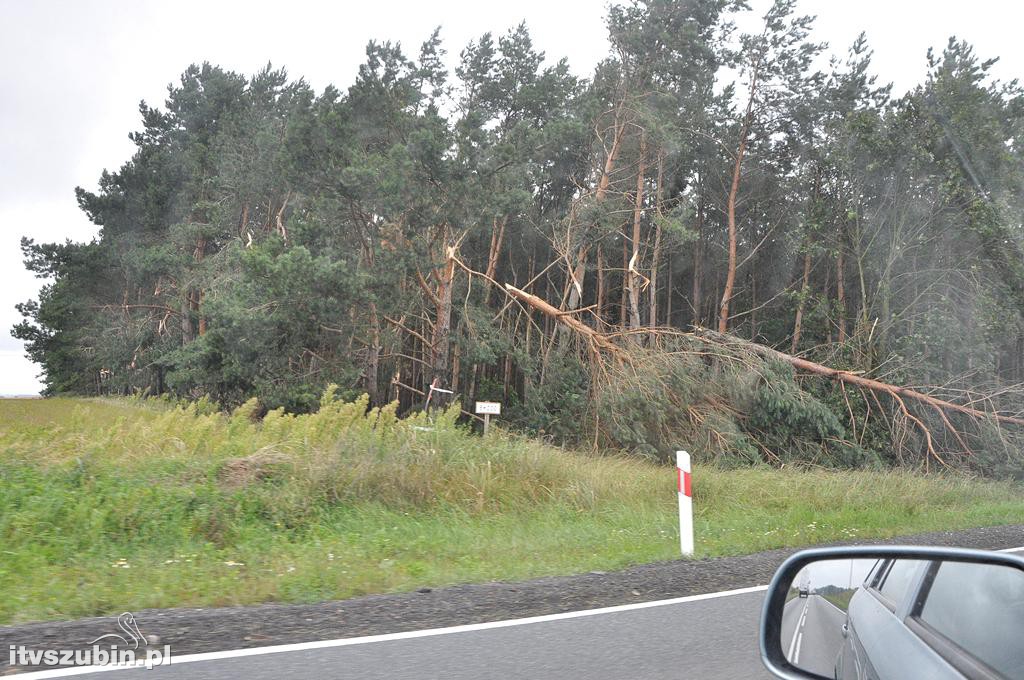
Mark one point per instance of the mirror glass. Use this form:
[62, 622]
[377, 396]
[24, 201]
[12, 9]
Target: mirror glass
[900, 618]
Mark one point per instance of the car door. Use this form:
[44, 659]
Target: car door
[971, 615]
[880, 644]
[873, 609]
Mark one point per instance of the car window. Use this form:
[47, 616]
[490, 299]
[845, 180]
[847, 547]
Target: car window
[981, 609]
[873, 572]
[897, 580]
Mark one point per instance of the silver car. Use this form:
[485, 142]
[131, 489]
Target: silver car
[933, 619]
[891, 613]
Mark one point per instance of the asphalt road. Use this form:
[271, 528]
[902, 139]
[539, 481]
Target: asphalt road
[707, 638]
[811, 633]
[696, 636]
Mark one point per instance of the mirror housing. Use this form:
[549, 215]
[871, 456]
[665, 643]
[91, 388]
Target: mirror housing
[772, 652]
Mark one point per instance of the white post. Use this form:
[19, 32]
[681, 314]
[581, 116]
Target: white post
[685, 503]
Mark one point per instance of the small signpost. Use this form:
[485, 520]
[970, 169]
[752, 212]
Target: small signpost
[488, 409]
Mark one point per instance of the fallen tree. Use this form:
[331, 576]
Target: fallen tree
[851, 378]
[622, 349]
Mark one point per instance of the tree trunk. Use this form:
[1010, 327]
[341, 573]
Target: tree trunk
[243, 220]
[652, 319]
[195, 295]
[613, 155]
[859, 380]
[187, 332]
[841, 283]
[507, 378]
[578, 270]
[698, 266]
[624, 302]
[730, 277]
[493, 253]
[199, 306]
[668, 295]
[600, 342]
[441, 340]
[455, 369]
[633, 269]
[371, 372]
[803, 298]
[599, 308]
[753, 305]
[578, 274]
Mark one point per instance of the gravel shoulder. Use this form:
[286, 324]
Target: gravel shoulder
[190, 631]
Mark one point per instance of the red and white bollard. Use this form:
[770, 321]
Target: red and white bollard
[685, 503]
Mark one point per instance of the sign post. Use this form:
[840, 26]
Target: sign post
[685, 503]
[487, 409]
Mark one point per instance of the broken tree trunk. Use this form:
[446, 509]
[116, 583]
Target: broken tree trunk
[603, 342]
[854, 379]
[597, 341]
[493, 253]
[633, 270]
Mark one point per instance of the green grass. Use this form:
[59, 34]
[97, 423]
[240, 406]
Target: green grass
[111, 505]
[841, 600]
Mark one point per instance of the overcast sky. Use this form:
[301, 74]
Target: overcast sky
[75, 70]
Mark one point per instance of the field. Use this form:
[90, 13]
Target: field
[108, 505]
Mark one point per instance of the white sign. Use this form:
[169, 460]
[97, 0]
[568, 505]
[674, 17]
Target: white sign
[491, 408]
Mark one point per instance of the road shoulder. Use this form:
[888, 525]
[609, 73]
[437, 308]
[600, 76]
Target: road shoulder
[190, 631]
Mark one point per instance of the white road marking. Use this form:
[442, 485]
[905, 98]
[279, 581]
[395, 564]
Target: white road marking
[369, 639]
[796, 630]
[799, 641]
[408, 635]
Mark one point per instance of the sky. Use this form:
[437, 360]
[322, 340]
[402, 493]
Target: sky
[844, 573]
[75, 71]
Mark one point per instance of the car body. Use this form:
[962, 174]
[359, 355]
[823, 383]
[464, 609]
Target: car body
[887, 634]
[919, 613]
[803, 592]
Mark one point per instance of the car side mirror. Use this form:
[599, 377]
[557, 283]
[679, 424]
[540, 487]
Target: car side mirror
[894, 612]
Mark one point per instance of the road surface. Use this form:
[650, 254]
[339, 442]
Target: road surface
[812, 633]
[702, 637]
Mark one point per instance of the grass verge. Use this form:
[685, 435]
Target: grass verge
[114, 505]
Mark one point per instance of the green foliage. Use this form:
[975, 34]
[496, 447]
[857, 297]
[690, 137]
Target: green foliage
[793, 423]
[266, 241]
[556, 409]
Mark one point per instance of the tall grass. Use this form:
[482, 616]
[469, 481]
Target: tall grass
[113, 505]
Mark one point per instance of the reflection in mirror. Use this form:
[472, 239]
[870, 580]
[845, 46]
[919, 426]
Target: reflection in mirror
[815, 613]
[893, 618]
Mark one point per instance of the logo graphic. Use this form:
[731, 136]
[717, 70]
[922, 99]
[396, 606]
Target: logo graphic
[126, 622]
[118, 649]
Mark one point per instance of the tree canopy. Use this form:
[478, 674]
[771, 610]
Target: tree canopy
[268, 240]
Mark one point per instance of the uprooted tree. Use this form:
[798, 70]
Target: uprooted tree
[634, 365]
